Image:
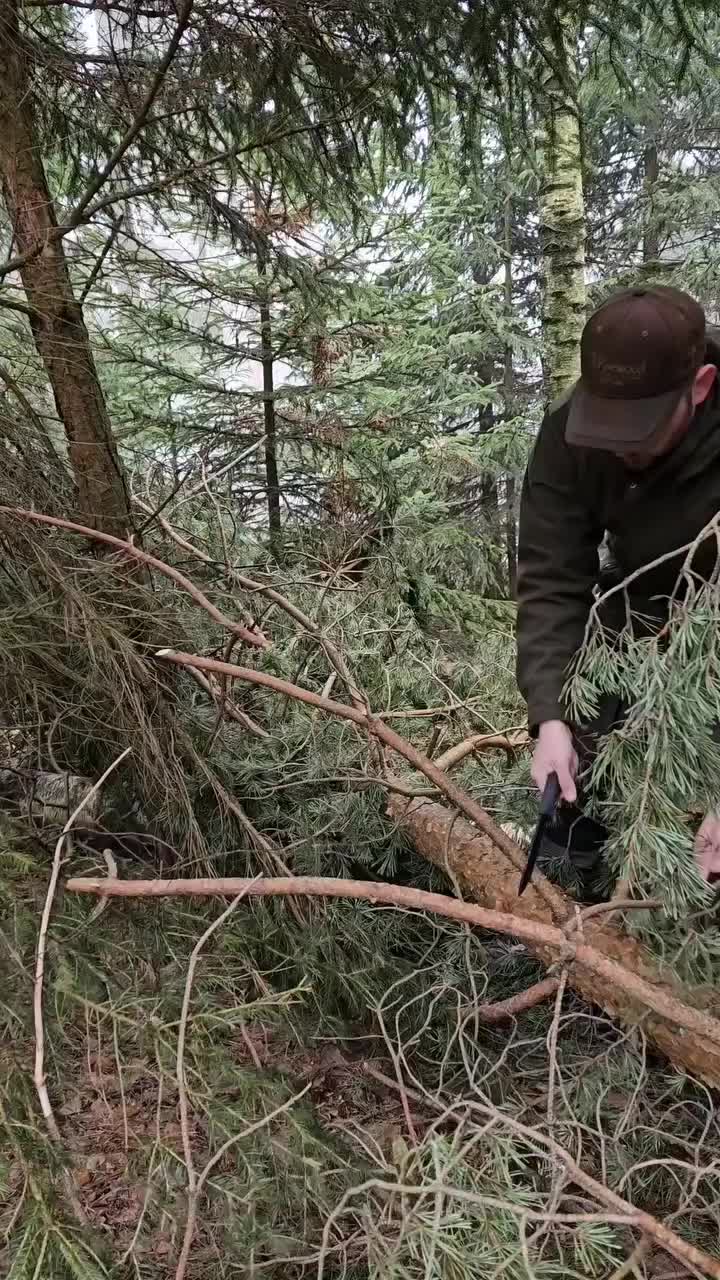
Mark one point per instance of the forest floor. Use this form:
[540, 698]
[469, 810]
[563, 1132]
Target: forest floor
[115, 1112]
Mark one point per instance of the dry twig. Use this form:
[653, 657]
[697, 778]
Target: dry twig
[39, 982]
[193, 1190]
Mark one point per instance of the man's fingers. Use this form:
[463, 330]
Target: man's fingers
[567, 782]
[707, 846]
[555, 753]
[565, 768]
[539, 774]
[707, 855]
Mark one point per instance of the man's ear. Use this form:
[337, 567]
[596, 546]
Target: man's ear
[703, 383]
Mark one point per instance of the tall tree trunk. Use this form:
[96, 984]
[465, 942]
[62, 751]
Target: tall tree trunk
[272, 479]
[651, 228]
[58, 327]
[562, 216]
[510, 515]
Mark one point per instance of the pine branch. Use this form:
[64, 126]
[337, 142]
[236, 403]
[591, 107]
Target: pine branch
[96, 185]
[609, 971]
[664, 1236]
[157, 185]
[254, 638]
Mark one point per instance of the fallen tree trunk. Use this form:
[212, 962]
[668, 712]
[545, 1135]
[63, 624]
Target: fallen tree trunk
[485, 874]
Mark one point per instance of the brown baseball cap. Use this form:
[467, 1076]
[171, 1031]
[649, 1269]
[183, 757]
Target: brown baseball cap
[639, 353]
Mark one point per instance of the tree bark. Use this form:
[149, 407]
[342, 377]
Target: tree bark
[508, 388]
[562, 217]
[651, 229]
[272, 479]
[57, 323]
[489, 878]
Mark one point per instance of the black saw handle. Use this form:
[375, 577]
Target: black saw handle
[550, 796]
[548, 804]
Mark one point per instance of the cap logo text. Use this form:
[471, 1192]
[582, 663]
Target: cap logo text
[631, 372]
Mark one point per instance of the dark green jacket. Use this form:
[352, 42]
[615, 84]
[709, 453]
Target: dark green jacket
[571, 497]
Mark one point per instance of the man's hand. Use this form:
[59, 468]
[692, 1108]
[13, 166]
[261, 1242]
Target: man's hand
[555, 753]
[707, 846]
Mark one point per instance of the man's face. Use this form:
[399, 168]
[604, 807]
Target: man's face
[676, 427]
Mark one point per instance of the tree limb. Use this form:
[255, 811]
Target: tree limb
[501, 1010]
[371, 724]
[653, 997]
[509, 742]
[254, 638]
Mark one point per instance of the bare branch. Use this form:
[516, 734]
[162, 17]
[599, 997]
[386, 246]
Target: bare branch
[254, 638]
[501, 1010]
[193, 1189]
[610, 971]
[135, 128]
[39, 983]
[510, 742]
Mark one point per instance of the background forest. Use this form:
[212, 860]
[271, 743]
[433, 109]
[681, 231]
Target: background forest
[285, 291]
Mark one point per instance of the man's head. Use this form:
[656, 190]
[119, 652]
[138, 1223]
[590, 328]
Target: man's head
[643, 375]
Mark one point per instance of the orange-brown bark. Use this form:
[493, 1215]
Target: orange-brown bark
[488, 877]
[57, 323]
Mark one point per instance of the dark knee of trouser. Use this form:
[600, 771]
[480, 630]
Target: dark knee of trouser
[576, 836]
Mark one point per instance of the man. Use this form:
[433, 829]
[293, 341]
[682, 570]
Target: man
[631, 452]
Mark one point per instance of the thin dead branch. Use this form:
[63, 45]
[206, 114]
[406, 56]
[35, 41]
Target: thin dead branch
[215, 1160]
[254, 638]
[663, 1236]
[193, 1192]
[39, 982]
[658, 1000]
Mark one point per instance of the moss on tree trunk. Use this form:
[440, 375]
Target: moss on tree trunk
[562, 215]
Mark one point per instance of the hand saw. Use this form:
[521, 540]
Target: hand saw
[548, 804]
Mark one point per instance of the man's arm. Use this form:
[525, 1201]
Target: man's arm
[557, 569]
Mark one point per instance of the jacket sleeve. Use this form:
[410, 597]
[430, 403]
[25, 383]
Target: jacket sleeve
[557, 570]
